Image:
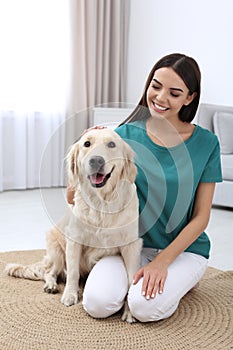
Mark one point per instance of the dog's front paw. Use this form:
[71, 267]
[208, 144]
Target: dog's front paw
[69, 298]
[127, 316]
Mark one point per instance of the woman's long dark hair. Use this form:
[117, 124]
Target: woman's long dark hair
[187, 68]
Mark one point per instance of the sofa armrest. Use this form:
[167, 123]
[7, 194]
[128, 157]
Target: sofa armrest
[223, 127]
[206, 112]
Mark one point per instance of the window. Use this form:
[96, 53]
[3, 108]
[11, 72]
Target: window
[34, 60]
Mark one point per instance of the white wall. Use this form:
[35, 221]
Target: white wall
[202, 29]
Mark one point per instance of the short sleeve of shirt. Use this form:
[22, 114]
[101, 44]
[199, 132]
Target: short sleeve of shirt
[165, 207]
[213, 171]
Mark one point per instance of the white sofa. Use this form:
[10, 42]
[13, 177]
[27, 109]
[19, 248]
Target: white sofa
[219, 120]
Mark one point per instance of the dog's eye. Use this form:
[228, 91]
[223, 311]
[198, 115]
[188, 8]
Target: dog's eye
[111, 144]
[87, 144]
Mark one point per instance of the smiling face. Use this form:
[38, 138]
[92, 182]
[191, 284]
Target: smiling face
[167, 93]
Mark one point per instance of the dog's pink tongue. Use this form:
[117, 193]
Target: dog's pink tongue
[97, 179]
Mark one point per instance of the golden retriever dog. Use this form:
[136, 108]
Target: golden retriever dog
[103, 220]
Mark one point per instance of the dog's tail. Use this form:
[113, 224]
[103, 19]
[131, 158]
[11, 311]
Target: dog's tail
[54, 260]
[34, 272]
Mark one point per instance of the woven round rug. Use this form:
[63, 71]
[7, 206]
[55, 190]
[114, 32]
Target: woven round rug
[32, 319]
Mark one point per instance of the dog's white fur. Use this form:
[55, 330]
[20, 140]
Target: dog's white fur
[103, 221]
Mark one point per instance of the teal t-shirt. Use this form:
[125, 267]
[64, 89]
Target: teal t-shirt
[167, 181]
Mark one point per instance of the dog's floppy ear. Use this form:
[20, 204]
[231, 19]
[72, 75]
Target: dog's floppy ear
[72, 165]
[129, 170]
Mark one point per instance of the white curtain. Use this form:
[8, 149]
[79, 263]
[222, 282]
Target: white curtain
[59, 59]
[98, 54]
[32, 150]
[34, 78]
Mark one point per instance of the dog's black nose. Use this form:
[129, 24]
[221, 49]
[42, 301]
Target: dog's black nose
[96, 162]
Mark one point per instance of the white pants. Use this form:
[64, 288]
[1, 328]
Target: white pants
[106, 287]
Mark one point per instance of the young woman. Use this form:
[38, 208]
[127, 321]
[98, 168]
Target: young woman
[178, 165]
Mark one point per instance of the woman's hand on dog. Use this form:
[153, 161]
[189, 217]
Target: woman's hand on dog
[99, 127]
[70, 194]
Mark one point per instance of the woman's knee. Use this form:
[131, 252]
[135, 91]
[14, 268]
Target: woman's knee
[101, 306]
[149, 310]
[151, 313]
[106, 287]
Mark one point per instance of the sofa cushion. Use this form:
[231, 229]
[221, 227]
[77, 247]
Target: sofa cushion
[227, 166]
[223, 128]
